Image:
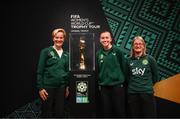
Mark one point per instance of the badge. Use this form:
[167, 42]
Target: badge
[82, 92]
[145, 62]
[101, 56]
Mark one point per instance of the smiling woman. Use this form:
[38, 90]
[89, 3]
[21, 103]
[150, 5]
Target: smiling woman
[52, 76]
[143, 74]
[58, 36]
[138, 47]
[110, 70]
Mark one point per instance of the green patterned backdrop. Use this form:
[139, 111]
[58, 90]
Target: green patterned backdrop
[157, 21]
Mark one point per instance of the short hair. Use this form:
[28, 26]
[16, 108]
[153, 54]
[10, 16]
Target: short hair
[55, 31]
[132, 51]
[106, 31]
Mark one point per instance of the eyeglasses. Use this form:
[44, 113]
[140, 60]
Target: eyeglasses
[138, 44]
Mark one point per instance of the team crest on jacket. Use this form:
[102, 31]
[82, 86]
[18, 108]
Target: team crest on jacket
[145, 62]
[52, 54]
[101, 58]
[114, 53]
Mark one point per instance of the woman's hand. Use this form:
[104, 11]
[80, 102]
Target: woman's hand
[43, 94]
[67, 92]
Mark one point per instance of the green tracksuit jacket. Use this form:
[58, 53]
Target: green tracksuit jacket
[110, 66]
[143, 74]
[52, 70]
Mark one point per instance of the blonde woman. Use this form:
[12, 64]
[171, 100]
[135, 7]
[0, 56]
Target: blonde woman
[143, 74]
[52, 76]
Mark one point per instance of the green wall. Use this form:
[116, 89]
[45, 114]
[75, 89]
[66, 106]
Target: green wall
[157, 21]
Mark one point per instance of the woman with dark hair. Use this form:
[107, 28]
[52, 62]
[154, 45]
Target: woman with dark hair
[111, 77]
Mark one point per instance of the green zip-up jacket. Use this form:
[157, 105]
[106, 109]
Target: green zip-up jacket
[52, 71]
[110, 66]
[143, 74]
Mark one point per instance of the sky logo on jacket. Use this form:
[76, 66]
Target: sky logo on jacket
[138, 71]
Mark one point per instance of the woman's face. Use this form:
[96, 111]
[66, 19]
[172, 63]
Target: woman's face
[58, 39]
[105, 39]
[138, 46]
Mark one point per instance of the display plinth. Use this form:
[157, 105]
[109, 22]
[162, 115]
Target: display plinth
[82, 74]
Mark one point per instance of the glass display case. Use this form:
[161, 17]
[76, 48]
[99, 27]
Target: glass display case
[82, 51]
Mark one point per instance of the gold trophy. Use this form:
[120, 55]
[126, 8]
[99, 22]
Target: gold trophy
[82, 59]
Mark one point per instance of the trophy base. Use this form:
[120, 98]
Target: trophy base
[82, 67]
[82, 96]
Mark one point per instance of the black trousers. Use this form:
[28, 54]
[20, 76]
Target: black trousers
[54, 105]
[142, 105]
[113, 101]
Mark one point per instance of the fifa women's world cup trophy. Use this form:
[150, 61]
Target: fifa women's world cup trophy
[82, 54]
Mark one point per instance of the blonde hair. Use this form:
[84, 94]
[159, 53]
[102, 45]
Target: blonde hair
[55, 31]
[139, 38]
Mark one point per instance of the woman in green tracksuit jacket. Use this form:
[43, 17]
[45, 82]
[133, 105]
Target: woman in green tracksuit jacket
[52, 76]
[143, 74]
[110, 72]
